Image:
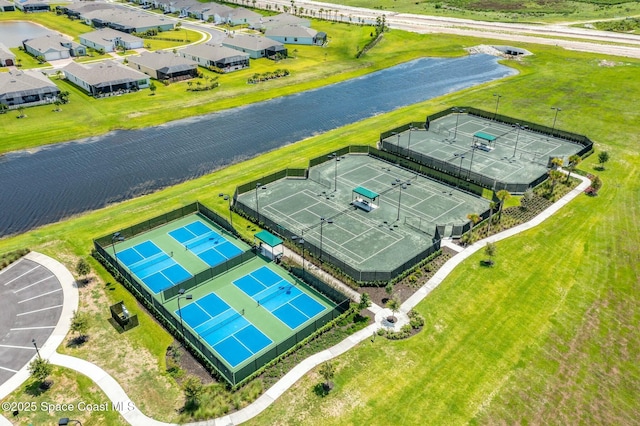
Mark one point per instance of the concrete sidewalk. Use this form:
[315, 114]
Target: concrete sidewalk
[135, 417]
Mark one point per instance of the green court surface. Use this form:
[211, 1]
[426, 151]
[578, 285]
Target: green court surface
[403, 225]
[161, 238]
[245, 315]
[502, 152]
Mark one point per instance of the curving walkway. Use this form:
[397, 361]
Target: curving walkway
[135, 417]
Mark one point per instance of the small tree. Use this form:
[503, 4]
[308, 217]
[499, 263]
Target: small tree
[80, 325]
[503, 195]
[193, 389]
[153, 88]
[83, 269]
[57, 103]
[21, 112]
[554, 177]
[603, 157]
[574, 160]
[59, 74]
[490, 250]
[394, 305]
[365, 301]
[474, 218]
[389, 288]
[556, 162]
[40, 369]
[327, 371]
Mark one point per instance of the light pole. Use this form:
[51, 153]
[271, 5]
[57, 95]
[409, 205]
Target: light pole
[409, 141]
[300, 240]
[555, 117]
[36, 346]
[460, 170]
[258, 186]
[226, 197]
[335, 172]
[517, 137]
[187, 297]
[458, 111]
[473, 150]
[495, 95]
[115, 238]
[322, 222]
[398, 144]
[402, 186]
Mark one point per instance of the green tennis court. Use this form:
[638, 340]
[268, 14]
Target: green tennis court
[400, 225]
[469, 144]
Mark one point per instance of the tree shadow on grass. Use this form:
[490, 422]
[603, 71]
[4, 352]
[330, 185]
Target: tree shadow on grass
[36, 388]
[322, 389]
[77, 341]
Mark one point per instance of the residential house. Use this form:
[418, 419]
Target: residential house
[7, 58]
[53, 46]
[76, 10]
[296, 34]
[267, 22]
[223, 58]
[7, 6]
[109, 40]
[32, 6]
[242, 16]
[256, 46]
[105, 78]
[127, 21]
[26, 88]
[163, 65]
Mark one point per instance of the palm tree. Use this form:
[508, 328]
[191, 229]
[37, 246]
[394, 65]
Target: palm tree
[474, 218]
[574, 160]
[556, 162]
[503, 195]
[327, 371]
[492, 207]
[554, 177]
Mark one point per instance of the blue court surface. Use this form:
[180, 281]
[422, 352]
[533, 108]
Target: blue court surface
[153, 266]
[205, 243]
[285, 301]
[226, 330]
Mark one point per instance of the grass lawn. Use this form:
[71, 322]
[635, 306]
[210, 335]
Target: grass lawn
[549, 333]
[69, 387]
[506, 10]
[310, 69]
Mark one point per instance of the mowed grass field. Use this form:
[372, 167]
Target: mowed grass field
[507, 10]
[548, 335]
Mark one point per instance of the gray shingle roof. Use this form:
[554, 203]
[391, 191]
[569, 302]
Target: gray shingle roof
[108, 34]
[104, 73]
[212, 52]
[5, 53]
[25, 83]
[51, 42]
[164, 61]
[290, 31]
[251, 42]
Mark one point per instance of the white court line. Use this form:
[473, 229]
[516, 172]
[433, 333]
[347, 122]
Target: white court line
[18, 347]
[37, 282]
[39, 310]
[32, 328]
[20, 276]
[40, 295]
[8, 369]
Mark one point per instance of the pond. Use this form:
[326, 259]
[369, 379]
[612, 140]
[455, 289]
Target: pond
[13, 33]
[48, 184]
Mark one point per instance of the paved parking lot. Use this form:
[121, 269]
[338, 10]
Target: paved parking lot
[31, 300]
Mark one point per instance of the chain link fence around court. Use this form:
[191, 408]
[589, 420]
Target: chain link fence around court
[197, 346]
[464, 178]
[357, 274]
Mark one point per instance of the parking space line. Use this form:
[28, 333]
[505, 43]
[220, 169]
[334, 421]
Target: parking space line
[32, 328]
[39, 310]
[37, 282]
[17, 347]
[29, 271]
[8, 369]
[40, 295]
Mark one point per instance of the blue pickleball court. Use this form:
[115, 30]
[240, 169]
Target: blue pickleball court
[206, 243]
